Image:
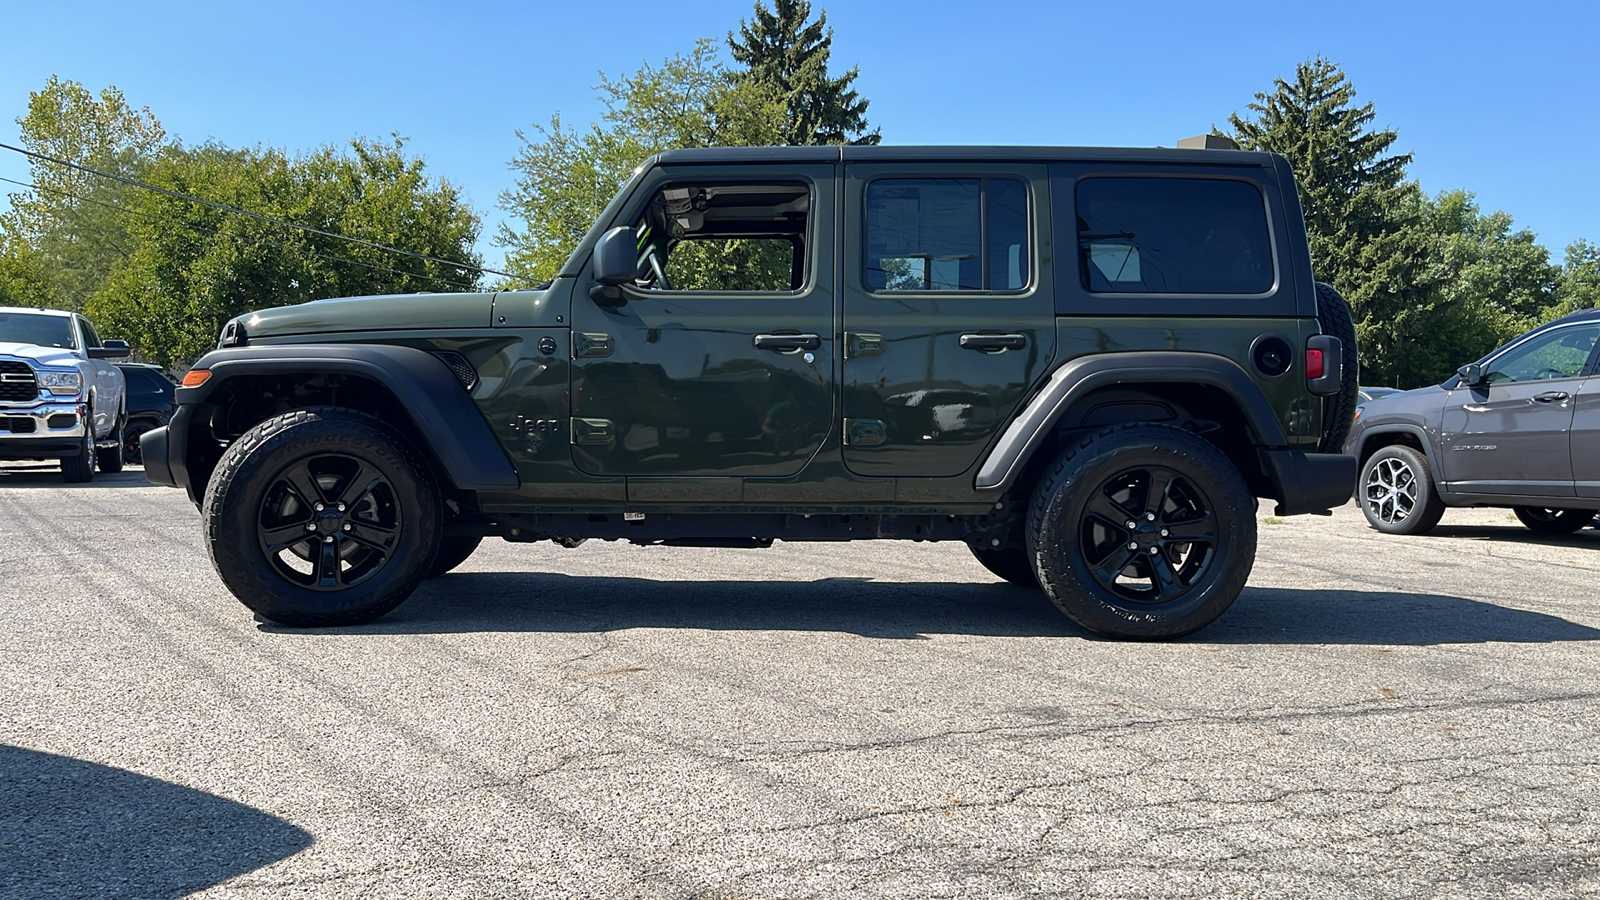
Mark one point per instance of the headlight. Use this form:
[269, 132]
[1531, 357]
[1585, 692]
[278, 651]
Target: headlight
[61, 382]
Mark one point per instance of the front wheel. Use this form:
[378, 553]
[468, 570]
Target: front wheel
[109, 458]
[1142, 531]
[80, 469]
[1553, 521]
[321, 517]
[1397, 493]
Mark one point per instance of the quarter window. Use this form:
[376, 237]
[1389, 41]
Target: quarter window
[1173, 236]
[947, 234]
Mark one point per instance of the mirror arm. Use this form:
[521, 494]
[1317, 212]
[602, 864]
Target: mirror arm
[607, 295]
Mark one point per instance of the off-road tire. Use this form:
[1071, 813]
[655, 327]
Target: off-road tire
[109, 459]
[1553, 521]
[1338, 410]
[1012, 564]
[453, 551]
[1192, 582]
[80, 469]
[251, 485]
[1397, 493]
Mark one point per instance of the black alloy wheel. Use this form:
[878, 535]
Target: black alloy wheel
[1143, 531]
[131, 450]
[1553, 521]
[329, 522]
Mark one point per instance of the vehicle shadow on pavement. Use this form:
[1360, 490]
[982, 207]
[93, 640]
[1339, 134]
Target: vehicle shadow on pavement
[1516, 534]
[471, 602]
[50, 477]
[70, 828]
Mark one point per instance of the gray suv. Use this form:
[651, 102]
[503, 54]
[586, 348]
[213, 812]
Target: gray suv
[1519, 428]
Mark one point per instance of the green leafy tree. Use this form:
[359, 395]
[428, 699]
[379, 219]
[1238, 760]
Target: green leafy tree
[192, 266]
[787, 54]
[1363, 219]
[1578, 283]
[61, 239]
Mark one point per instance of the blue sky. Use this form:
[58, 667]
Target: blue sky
[1499, 99]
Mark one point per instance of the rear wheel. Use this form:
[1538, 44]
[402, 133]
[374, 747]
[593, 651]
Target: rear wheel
[321, 517]
[1553, 521]
[1011, 564]
[1397, 493]
[1142, 531]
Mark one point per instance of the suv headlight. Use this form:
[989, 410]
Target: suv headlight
[61, 382]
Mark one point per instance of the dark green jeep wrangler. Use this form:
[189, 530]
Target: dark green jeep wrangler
[1084, 364]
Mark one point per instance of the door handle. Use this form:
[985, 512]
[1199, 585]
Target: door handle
[993, 341]
[782, 342]
[1551, 397]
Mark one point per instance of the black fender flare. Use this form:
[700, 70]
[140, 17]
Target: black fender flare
[456, 432]
[1079, 377]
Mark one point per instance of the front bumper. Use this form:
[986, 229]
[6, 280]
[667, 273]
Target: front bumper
[42, 430]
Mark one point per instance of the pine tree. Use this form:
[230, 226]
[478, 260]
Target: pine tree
[1364, 221]
[782, 51]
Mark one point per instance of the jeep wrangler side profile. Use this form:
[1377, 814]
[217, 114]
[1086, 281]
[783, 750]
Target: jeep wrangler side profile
[1085, 364]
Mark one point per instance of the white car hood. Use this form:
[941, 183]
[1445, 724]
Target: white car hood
[44, 356]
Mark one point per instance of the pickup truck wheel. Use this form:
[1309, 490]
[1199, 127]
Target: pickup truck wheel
[1553, 521]
[1338, 410]
[80, 469]
[453, 551]
[109, 459]
[1012, 564]
[131, 450]
[1397, 493]
[1142, 531]
[321, 517]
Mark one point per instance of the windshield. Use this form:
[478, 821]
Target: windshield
[32, 328]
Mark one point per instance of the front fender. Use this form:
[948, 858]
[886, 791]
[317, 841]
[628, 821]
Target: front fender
[443, 411]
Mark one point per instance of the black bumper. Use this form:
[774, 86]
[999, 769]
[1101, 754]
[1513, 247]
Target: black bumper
[1309, 482]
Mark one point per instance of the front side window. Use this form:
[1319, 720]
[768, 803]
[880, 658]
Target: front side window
[90, 339]
[1561, 353]
[1173, 236]
[724, 237]
[947, 234]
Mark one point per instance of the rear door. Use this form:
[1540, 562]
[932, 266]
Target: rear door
[948, 315]
[1512, 435]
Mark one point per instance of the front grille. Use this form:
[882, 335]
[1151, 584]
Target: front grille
[17, 381]
[17, 424]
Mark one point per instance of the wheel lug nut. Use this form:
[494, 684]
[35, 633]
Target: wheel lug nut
[311, 526]
[328, 539]
[347, 526]
[340, 507]
[1154, 551]
[1133, 545]
[1163, 532]
[318, 507]
[1149, 517]
[1132, 524]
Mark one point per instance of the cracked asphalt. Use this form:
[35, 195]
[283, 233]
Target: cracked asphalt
[1375, 717]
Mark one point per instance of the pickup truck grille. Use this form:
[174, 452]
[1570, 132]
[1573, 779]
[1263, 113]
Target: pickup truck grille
[17, 381]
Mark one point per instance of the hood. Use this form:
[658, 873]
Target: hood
[391, 312]
[44, 356]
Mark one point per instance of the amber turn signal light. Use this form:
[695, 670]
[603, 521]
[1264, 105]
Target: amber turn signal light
[196, 377]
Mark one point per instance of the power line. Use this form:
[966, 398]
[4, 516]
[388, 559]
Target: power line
[245, 212]
[194, 227]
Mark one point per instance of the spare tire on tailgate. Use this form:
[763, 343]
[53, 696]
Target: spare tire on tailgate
[1338, 410]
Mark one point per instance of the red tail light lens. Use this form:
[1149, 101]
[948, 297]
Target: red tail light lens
[1313, 363]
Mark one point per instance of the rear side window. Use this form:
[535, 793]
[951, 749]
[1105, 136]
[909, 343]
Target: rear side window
[947, 234]
[1173, 236]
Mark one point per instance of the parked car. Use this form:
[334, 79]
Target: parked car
[59, 396]
[1519, 429]
[152, 399]
[1083, 364]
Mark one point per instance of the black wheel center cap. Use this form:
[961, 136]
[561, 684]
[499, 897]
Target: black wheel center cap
[329, 521]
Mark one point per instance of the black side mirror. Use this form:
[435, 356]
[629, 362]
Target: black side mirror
[1471, 374]
[615, 264]
[110, 350]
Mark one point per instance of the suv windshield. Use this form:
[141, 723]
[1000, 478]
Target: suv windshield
[32, 328]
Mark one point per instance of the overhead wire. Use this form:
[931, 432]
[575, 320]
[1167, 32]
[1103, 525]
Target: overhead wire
[202, 228]
[245, 212]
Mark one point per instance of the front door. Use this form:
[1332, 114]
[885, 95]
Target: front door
[1512, 434]
[719, 361]
[949, 315]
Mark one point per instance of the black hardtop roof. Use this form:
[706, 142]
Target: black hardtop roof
[830, 154]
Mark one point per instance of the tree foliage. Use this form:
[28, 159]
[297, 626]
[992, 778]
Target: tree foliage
[192, 267]
[787, 55]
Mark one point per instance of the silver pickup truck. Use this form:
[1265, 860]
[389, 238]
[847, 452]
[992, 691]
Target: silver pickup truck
[59, 397]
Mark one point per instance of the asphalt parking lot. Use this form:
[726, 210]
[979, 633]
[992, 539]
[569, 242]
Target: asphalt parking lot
[1375, 717]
